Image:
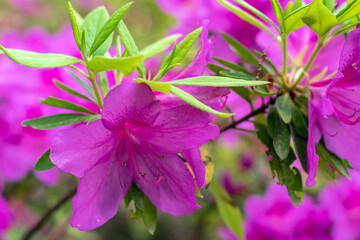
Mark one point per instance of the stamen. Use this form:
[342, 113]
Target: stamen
[118, 146]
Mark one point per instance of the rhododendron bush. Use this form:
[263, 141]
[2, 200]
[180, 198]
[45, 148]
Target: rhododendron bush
[240, 120]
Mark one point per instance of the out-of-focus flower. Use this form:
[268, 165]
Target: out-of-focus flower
[135, 141]
[6, 216]
[274, 217]
[334, 110]
[342, 202]
[229, 184]
[20, 89]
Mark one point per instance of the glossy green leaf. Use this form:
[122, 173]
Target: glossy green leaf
[351, 10]
[262, 91]
[74, 25]
[283, 106]
[39, 60]
[82, 83]
[196, 103]
[130, 46]
[290, 177]
[59, 103]
[71, 91]
[245, 16]
[279, 132]
[216, 69]
[93, 118]
[230, 214]
[241, 50]
[177, 56]
[126, 65]
[44, 163]
[93, 24]
[294, 21]
[278, 11]
[214, 81]
[299, 132]
[55, 121]
[319, 18]
[158, 47]
[156, 86]
[108, 28]
[297, 4]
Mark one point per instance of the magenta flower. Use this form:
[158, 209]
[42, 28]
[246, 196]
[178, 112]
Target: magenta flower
[342, 203]
[274, 217]
[334, 110]
[6, 217]
[135, 141]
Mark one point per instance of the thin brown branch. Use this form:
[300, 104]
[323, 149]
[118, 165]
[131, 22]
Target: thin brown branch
[43, 220]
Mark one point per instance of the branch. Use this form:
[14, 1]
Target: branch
[247, 117]
[49, 213]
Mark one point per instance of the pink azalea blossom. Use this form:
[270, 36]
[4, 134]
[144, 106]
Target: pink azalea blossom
[333, 110]
[135, 141]
[6, 216]
[342, 202]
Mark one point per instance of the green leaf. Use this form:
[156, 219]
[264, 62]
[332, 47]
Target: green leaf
[262, 91]
[243, 92]
[130, 46]
[196, 103]
[93, 118]
[82, 83]
[158, 47]
[55, 121]
[93, 24]
[290, 177]
[230, 214]
[177, 56]
[213, 81]
[59, 103]
[71, 91]
[297, 4]
[126, 65]
[256, 12]
[238, 76]
[241, 50]
[279, 132]
[232, 66]
[351, 10]
[149, 215]
[283, 106]
[156, 86]
[245, 16]
[104, 84]
[39, 60]
[319, 18]
[299, 132]
[278, 11]
[216, 69]
[337, 163]
[108, 28]
[293, 21]
[288, 9]
[74, 25]
[44, 163]
[330, 4]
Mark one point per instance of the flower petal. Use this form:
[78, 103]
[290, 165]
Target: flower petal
[350, 58]
[178, 129]
[99, 193]
[77, 149]
[130, 102]
[193, 157]
[175, 193]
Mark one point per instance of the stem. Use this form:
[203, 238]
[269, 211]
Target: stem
[96, 89]
[308, 64]
[284, 50]
[252, 114]
[48, 214]
[79, 71]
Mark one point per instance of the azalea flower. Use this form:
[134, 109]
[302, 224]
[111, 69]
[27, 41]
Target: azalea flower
[334, 110]
[136, 141]
[6, 216]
